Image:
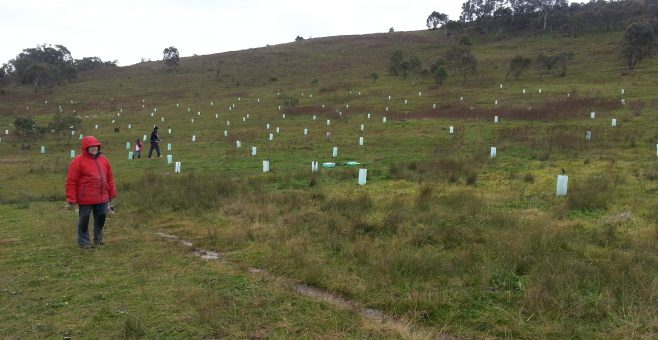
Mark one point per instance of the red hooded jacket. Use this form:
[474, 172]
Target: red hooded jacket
[90, 179]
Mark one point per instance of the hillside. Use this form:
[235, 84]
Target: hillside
[345, 63]
[457, 233]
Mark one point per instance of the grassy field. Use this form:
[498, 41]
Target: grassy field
[443, 238]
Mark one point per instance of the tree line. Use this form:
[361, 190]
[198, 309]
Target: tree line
[501, 16]
[46, 65]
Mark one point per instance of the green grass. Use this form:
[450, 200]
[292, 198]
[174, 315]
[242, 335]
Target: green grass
[140, 285]
[442, 236]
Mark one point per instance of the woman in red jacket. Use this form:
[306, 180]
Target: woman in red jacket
[90, 185]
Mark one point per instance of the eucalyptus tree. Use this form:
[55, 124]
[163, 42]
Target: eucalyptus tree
[171, 57]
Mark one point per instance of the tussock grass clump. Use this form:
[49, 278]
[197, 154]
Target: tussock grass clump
[424, 262]
[133, 328]
[348, 205]
[396, 214]
[425, 196]
[464, 205]
[594, 193]
[186, 192]
[441, 169]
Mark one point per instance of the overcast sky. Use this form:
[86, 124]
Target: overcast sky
[129, 30]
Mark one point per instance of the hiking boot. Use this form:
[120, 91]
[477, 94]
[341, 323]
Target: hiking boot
[86, 246]
[99, 243]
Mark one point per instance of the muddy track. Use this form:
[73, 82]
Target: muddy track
[373, 317]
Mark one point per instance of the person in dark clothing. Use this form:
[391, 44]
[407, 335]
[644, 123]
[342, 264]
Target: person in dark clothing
[155, 139]
[90, 185]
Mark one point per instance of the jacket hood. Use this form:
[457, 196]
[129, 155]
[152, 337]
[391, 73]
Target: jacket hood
[89, 141]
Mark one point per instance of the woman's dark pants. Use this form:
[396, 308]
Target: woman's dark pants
[100, 212]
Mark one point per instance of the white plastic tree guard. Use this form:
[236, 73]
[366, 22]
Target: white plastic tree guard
[562, 184]
[363, 174]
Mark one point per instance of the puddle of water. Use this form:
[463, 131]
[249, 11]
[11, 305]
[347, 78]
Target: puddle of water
[374, 314]
[207, 254]
[202, 253]
[323, 295]
[171, 237]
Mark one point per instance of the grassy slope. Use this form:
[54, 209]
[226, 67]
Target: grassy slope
[500, 258]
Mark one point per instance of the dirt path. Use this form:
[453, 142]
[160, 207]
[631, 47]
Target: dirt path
[372, 317]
